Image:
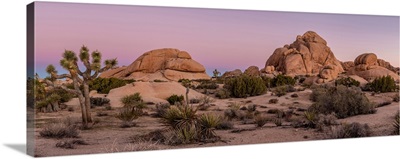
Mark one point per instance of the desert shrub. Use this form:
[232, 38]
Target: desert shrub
[187, 127]
[348, 82]
[207, 124]
[244, 86]
[281, 80]
[108, 107]
[158, 80]
[233, 111]
[207, 85]
[194, 101]
[251, 108]
[273, 101]
[260, 120]
[267, 81]
[180, 116]
[99, 101]
[183, 80]
[396, 98]
[222, 93]
[130, 100]
[134, 102]
[225, 124]
[352, 130]
[381, 84]
[173, 99]
[278, 122]
[70, 109]
[60, 129]
[101, 114]
[341, 100]
[205, 102]
[396, 124]
[282, 90]
[70, 144]
[294, 95]
[311, 119]
[273, 111]
[161, 109]
[64, 95]
[127, 114]
[104, 85]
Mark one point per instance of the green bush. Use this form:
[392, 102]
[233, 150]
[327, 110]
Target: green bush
[127, 115]
[341, 100]
[104, 85]
[381, 84]
[281, 80]
[130, 100]
[64, 95]
[173, 99]
[348, 82]
[207, 85]
[244, 86]
[222, 93]
[134, 104]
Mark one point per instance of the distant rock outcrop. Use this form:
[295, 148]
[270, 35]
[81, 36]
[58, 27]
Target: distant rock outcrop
[236, 72]
[369, 67]
[308, 55]
[162, 64]
[252, 71]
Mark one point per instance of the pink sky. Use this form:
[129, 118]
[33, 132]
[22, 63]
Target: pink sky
[221, 39]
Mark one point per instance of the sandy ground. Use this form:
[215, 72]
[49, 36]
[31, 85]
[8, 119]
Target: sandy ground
[106, 136]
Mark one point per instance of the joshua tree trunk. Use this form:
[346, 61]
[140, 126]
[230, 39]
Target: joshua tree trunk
[87, 101]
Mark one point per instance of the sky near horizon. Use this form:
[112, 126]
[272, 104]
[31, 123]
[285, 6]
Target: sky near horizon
[217, 38]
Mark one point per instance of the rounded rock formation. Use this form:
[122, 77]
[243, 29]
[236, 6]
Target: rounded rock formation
[162, 64]
[308, 55]
[369, 67]
[236, 72]
[252, 71]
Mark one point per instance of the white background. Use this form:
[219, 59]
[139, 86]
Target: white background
[13, 75]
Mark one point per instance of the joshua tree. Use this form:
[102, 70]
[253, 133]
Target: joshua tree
[216, 73]
[80, 79]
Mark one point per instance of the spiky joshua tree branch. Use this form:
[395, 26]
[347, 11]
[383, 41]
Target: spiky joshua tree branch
[92, 64]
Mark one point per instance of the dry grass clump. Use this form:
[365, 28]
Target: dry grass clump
[70, 144]
[205, 102]
[261, 120]
[225, 124]
[60, 129]
[273, 101]
[352, 130]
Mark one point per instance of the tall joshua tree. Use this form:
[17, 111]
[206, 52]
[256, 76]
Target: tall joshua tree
[79, 78]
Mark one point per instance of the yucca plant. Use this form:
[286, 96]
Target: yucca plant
[180, 116]
[207, 124]
[312, 118]
[127, 115]
[396, 124]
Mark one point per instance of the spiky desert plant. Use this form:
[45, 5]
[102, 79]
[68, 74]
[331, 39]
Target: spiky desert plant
[207, 124]
[80, 79]
[396, 124]
[127, 115]
[312, 118]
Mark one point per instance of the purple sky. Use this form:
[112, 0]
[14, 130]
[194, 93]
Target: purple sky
[222, 39]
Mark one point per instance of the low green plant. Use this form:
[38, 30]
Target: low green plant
[244, 86]
[381, 84]
[173, 99]
[127, 114]
[208, 124]
[348, 82]
[311, 119]
[281, 80]
[104, 85]
[341, 100]
[222, 93]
